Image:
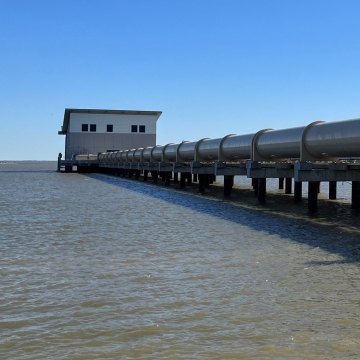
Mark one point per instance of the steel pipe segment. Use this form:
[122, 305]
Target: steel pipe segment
[186, 151]
[164, 148]
[208, 149]
[124, 155]
[112, 156]
[170, 152]
[138, 154]
[101, 157]
[130, 155]
[333, 139]
[118, 156]
[277, 144]
[146, 154]
[236, 147]
[156, 153]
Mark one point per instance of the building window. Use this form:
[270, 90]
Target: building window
[133, 128]
[142, 128]
[109, 128]
[92, 127]
[84, 127]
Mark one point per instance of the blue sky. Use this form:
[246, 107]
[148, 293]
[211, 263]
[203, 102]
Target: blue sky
[213, 67]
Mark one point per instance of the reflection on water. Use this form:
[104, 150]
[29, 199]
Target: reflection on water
[94, 267]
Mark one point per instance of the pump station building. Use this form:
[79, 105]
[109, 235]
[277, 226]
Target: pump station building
[91, 131]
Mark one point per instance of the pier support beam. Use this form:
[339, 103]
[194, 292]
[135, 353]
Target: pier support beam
[195, 177]
[355, 195]
[176, 177]
[288, 186]
[332, 190]
[262, 190]
[297, 191]
[313, 196]
[228, 184]
[146, 173]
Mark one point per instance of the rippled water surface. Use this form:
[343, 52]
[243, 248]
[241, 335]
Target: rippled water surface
[96, 267]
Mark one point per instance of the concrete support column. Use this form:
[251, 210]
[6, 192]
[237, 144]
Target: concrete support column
[168, 176]
[255, 185]
[202, 181]
[228, 184]
[313, 196]
[281, 183]
[297, 191]
[355, 195]
[188, 178]
[332, 190]
[182, 180]
[154, 175]
[208, 180]
[262, 190]
[288, 185]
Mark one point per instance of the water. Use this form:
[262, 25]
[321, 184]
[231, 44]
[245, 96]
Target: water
[95, 267]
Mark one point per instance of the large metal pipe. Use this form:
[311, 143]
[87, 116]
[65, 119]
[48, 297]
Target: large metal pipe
[279, 144]
[334, 139]
[237, 147]
[316, 141]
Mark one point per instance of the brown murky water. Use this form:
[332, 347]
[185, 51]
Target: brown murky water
[95, 267]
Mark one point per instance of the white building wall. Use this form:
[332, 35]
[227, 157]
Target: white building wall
[121, 122]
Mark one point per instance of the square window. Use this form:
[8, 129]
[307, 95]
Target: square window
[93, 127]
[133, 128]
[109, 128]
[142, 128]
[84, 127]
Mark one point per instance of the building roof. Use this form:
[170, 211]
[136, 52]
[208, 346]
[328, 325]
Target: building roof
[67, 113]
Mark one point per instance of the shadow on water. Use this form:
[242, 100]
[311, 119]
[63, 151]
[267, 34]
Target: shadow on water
[330, 236]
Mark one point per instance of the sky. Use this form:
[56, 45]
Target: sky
[213, 67]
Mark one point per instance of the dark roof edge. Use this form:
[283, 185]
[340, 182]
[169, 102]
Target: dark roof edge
[68, 111]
